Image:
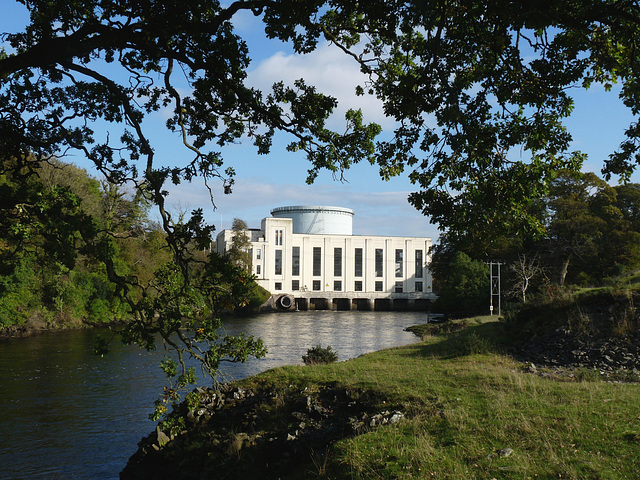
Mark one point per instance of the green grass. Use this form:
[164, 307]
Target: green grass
[466, 403]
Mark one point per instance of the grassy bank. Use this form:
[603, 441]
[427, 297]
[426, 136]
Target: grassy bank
[469, 412]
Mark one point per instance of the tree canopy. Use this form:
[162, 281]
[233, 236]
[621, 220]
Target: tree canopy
[469, 83]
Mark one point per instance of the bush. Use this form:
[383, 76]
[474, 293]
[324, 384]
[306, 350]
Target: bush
[472, 344]
[320, 355]
[257, 296]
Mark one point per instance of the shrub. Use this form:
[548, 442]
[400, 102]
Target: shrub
[472, 344]
[320, 355]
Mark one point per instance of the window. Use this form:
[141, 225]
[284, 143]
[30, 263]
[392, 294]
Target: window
[378, 286]
[399, 254]
[258, 253]
[418, 286]
[295, 285]
[358, 286]
[317, 262]
[278, 286]
[278, 263]
[295, 261]
[379, 261]
[337, 262]
[278, 237]
[337, 286]
[316, 285]
[358, 263]
[419, 264]
[398, 288]
[257, 269]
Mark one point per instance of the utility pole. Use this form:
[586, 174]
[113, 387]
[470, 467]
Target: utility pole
[494, 285]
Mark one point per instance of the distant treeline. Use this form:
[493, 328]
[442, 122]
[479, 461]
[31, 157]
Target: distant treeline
[591, 237]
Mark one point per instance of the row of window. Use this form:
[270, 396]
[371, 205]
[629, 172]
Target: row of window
[337, 262]
[357, 287]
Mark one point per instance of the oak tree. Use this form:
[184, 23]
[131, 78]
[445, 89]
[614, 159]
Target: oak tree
[480, 91]
[82, 77]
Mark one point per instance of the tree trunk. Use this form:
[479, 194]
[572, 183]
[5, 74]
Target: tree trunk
[563, 271]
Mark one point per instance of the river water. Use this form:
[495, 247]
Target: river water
[66, 413]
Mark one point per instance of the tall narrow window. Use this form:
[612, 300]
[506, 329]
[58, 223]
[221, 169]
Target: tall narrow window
[379, 262]
[295, 261]
[278, 262]
[399, 263]
[278, 237]
[317, 261]
[358, 262]
[258, 253]
[337, 262]
[418, 263]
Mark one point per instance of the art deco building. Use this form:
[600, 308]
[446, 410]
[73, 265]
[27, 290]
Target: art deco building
[307, 257]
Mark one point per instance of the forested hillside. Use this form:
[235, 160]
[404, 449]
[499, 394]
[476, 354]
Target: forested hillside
[49, 222]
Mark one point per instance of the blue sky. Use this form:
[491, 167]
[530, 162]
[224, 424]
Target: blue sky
[266, 182]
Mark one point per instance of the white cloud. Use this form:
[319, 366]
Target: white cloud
[331, 71]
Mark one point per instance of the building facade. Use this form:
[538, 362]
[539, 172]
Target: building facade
[309, 252]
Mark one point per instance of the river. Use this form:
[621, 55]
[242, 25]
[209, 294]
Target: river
[66, 413]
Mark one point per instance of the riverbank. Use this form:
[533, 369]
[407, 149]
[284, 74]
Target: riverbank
[37, 325]
[452, 406]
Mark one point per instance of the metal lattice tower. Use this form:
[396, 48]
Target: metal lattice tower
[495, 285]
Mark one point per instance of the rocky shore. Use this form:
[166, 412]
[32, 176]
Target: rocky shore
[36, 325]
[257, 433]
[561, 351]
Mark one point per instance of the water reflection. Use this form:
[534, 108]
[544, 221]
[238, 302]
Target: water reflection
[66, 413]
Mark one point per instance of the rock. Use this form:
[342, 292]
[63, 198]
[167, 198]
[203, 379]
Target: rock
[162, 437]
[396, 417]
[505, 452]
[239, 394]
[191, 416]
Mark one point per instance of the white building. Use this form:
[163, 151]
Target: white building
[308, 253]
